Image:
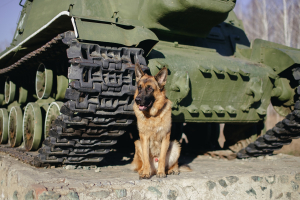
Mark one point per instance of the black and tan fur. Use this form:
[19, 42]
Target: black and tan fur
[154, 153]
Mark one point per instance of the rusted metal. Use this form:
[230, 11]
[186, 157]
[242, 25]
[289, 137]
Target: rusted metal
[31, 55]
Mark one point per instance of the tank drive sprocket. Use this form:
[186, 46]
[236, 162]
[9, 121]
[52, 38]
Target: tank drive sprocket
[281, 134]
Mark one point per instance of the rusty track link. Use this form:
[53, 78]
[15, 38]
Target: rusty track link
[44, 48]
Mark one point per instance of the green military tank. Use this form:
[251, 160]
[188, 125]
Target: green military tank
[67, 80]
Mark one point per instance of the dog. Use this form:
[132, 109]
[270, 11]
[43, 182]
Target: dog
[154, 153]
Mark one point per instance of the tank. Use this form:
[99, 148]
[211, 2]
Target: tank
[67, 80]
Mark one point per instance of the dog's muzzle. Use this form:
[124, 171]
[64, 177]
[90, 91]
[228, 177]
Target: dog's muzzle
[142, 107]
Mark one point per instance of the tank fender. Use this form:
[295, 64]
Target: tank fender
[96, 30]
[276, 56]
[281, 59]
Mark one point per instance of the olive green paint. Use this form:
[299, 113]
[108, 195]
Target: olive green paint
[215, 75]
[277, 56]
[228, 90]
[128, 37]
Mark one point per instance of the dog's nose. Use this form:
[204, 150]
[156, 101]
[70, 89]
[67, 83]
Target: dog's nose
[138, 100]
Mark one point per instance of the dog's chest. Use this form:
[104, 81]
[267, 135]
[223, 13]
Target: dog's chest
[157, 130]
[155, 143]
[153, 125]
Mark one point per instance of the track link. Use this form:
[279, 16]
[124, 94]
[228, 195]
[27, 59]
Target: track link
[281, 134]
[99, 106]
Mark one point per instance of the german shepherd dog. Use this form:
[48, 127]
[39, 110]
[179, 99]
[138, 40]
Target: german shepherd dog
[154, 153]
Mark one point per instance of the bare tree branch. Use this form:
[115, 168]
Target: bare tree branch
[276, 21]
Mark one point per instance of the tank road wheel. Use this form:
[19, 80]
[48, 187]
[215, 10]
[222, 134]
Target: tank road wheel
[52, 113]
[1, 98]
[62, 83]
[23, 94]
[3, 126]
[10, 91]
[15, 126]
[43, 82]
[32, 126]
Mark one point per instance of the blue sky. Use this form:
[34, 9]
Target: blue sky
[9, 14]
[243, 2]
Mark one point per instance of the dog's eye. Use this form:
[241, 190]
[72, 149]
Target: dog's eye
[149, 88]
[139, 88]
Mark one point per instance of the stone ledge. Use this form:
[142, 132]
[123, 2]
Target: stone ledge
[276, 177]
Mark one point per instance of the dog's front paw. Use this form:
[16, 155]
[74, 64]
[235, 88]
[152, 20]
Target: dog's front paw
[173, 172]
[144, 176]
[140, 172]
[161, 175]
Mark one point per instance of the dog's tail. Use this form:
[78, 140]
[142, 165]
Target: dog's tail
[185, 168]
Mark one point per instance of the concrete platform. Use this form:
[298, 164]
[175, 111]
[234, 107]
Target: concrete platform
[276, 177]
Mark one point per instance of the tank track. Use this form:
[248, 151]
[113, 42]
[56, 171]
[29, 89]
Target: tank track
[281, 134]
[99, 106]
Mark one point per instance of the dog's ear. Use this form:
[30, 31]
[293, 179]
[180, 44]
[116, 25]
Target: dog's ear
[138, 71]
[161, 77]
